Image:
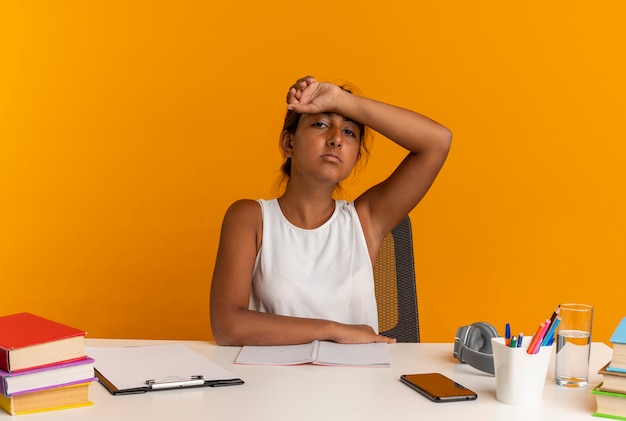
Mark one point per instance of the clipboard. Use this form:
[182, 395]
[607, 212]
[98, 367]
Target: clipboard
[141, 369]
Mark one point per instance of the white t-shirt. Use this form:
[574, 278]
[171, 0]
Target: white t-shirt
[323, 273]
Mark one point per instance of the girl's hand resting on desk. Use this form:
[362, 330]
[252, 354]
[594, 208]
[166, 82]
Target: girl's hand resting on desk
[358, 334]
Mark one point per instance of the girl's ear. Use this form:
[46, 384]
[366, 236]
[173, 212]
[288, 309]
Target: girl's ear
[286, 145]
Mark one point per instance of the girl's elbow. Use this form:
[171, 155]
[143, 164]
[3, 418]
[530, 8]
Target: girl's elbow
[223, 339]
[444, 142]
[224, 334]
[446, 137]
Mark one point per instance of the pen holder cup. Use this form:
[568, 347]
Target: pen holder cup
[520, 377]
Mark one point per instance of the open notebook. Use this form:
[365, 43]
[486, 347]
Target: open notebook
[317, 352]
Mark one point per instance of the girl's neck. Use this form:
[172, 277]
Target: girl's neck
[306, 210]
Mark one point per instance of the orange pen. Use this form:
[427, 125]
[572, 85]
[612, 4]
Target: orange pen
[532, 343]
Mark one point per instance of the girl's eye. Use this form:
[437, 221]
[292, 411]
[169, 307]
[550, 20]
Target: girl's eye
[319, 124]
[349, 132]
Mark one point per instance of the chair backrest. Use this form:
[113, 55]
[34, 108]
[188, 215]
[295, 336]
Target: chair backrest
[394, 277]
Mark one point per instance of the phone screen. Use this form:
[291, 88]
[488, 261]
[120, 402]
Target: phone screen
[437, 387]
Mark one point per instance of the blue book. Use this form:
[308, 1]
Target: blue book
[619, 334]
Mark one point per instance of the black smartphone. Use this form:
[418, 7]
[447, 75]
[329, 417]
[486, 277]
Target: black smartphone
[438, 388]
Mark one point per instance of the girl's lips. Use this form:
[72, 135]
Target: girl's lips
[332, 157]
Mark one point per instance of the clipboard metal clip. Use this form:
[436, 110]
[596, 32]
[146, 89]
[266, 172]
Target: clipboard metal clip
[171, 382]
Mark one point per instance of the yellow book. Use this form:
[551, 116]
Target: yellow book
[47, 400]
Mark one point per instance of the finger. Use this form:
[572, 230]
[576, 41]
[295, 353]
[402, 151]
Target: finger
[304, 81]
[385, 339]
[296, 91]
[297, 107]
[294, 95]
[299, 93]
[309, 93]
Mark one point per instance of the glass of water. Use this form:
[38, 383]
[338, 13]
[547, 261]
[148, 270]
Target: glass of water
[573, 345]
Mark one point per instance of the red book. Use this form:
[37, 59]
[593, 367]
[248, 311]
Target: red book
[28, 341]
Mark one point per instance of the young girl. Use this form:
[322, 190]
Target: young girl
[300, 267]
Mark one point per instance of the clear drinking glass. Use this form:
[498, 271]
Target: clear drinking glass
[573, 345]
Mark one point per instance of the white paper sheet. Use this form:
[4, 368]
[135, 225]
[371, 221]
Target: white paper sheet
[130, 367]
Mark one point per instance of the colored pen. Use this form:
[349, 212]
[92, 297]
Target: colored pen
[551, 331]
[531, 346]
[535, 344]
[543, 334]
[507, 334]
[554, 314]
[513, 342]
[520, 338]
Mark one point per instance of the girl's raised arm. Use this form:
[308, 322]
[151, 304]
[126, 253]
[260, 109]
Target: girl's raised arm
[383, 206]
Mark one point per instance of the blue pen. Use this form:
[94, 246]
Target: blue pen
[507, 334]
[519, 340]
[550, 334]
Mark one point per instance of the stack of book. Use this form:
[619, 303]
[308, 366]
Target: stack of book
[43, 365]
[611, 393]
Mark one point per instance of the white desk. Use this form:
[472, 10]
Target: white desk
[307, 392]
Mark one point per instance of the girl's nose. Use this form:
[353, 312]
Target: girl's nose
[334, 138]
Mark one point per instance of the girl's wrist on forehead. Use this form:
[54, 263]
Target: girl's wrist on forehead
[348, 104]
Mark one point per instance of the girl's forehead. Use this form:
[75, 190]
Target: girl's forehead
[330, 115]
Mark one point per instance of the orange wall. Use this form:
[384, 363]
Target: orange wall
[127, 128]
